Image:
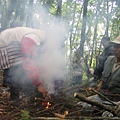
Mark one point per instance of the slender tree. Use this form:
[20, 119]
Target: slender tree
[8, 14]
[85, 4]
[59, 8]
[71, 31]
[30, 13]
[94, 46]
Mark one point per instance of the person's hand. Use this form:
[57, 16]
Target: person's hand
[44, 92]
[47, 96]
[117, 110]
[91, 70]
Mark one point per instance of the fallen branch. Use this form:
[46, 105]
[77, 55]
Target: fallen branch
[44, 118]
[103, 96]
[75, 118]
[77, 86]
[44, 110]
[95, 103]
[91, 118]
[59, 115]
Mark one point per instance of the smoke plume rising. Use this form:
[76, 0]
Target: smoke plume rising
[52, 61]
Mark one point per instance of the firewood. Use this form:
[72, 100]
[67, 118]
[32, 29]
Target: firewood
[95, 103]
[102, 96]
[59, 115]
[77, 86]
[44, 118]
[66, 112]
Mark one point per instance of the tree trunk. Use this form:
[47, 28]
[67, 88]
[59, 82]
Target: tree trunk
[71, 31]
[7, 14]
[17, 10]
[29, 16]
[94, 47]
[59, 8]
[22, 11]
[85, 4]
[74, 35]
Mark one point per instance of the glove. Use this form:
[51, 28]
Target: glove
[117, 110]
[44, 92]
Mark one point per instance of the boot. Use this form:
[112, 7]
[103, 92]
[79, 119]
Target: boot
[6, 77]
[14, 93]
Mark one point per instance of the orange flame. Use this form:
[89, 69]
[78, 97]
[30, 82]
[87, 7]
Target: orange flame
[46, 104]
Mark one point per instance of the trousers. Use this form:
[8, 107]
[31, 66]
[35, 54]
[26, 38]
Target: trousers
[16, 79]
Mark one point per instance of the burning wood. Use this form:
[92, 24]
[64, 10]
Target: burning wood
[46, 104]
[60, 106]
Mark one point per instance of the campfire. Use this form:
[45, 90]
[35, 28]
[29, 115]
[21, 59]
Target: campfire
[60, 106]
[46, 104]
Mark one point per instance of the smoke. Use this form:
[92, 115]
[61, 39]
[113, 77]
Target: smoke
[52, 62]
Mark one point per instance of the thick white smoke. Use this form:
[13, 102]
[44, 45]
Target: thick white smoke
[52, 61]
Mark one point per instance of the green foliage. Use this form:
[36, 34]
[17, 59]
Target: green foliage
[25, 115]
[18, 10]
[53, 9]
[84, 77]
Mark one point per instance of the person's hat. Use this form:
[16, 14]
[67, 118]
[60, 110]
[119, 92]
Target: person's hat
[117, 40]
[104, 39]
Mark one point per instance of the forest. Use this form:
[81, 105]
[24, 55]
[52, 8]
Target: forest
[76, 28]
[85, 21]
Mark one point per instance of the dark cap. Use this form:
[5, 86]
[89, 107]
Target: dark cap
[104, 39]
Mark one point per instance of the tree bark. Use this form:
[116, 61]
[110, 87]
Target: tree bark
[59, 8]
[71, 31]
[22, 11]
[30, 11]
[7, 14]
[85, 4]
[94, 47]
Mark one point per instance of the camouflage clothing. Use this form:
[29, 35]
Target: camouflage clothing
[111, 79]
[102, 58]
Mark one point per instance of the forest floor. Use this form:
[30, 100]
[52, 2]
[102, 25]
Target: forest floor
[34, 107]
